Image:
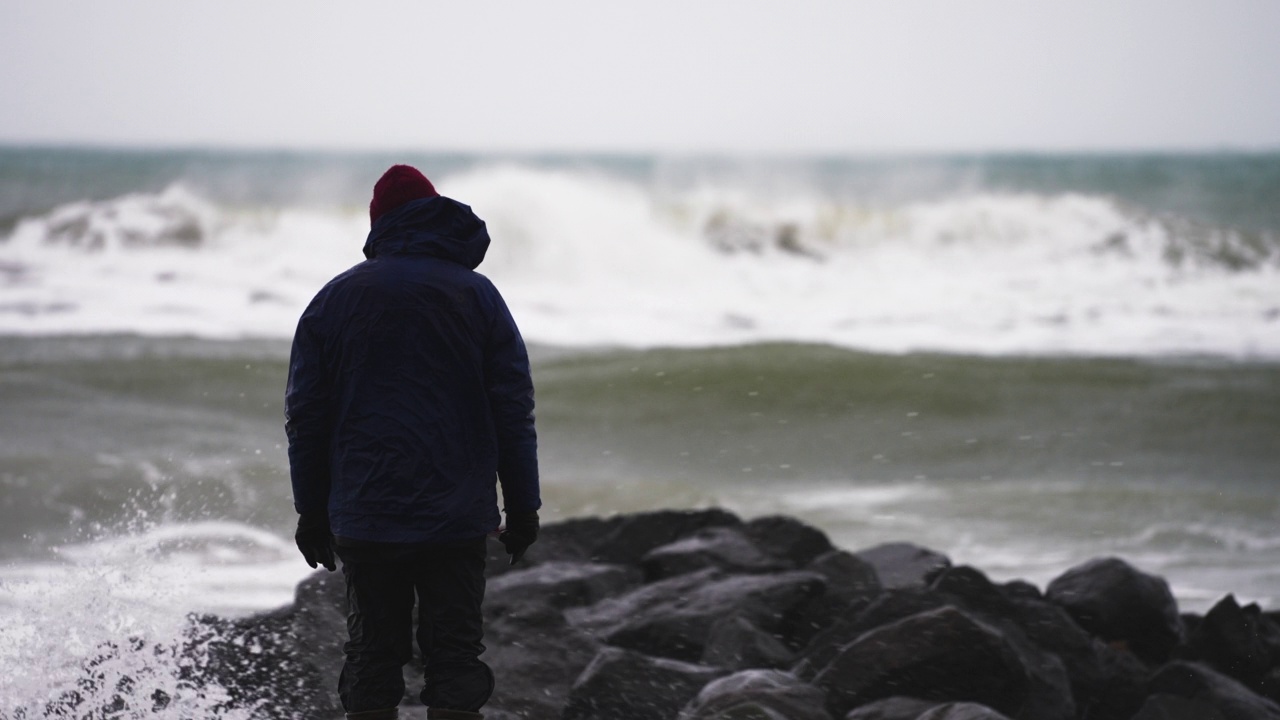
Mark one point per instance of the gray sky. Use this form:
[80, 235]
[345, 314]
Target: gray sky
[693, 76]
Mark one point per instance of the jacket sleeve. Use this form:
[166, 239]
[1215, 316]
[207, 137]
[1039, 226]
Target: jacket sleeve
[308, 419]
[510, 388]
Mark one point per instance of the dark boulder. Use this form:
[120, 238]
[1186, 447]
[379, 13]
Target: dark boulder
[281, 662]
[961, 711]
[535, 656]
[1064, 660]
[1022, 590]
[619, 539]
[888, 607]
[673, 618]
[623, 685]
[943, 654]
[1111, 599]
[1171, 707]
[558, 584]
[903, 565]
[892, 708]
[788, 539]
[736, 643]
[1239, 642]
[852, 584]
[757, 695]
[722, 548]
[634, 536]
[1195, 681]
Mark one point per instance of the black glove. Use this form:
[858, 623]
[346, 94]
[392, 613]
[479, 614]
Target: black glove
[315, 541]
[521, 532]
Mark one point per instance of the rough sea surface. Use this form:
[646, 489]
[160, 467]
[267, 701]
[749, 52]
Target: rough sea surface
[1021, 361]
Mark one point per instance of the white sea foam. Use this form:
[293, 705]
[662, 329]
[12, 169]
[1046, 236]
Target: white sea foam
[133, 591]
[585, 259]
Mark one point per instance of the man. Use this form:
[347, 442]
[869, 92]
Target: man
[409, 393]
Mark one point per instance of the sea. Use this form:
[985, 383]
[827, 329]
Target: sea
[1023, 361]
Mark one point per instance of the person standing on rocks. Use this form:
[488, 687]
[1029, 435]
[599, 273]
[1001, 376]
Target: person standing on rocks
[409, 401]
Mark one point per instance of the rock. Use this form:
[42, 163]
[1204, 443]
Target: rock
[1022, 589]
[673, 618]
[635, 535]
[1064, 661]
[558, 584]
[283, 662]
[624, 685]
[903, 565]
[1171, 707]
[535, 656]
[893, 708]
[618, 540]
[961, 711]
[888, 607]
[318, 627]
[1194, 681]
[757, 694]
[1238, 642]
[1111, 599]
[735, 643]
[852, 584]
[788, 539]
[943, 654]
[722, 548]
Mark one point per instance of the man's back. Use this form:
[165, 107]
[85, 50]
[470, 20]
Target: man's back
[424, 375]
[409, 395]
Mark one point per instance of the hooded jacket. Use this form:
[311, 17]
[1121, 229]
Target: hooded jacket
[409, 390]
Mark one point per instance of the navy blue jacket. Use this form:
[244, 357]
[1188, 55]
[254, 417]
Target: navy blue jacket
[409, 389]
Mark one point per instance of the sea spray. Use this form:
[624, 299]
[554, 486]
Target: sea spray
[109, 632]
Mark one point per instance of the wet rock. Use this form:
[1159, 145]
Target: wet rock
[1171, 707]
[903, 565]
[852, 584]
[721, 548]
[624, 685]
[634, 536]
[735, 643]
[535, 656]
[888, 607]
[1194, 681]
[1111, 599]
[943, 654]
[788, 539]
[673, 618]
[893, 708]
[1022, 589]
[961, 711]
[619, 539]
[558, 584]
[757, 695]
[1239, 642]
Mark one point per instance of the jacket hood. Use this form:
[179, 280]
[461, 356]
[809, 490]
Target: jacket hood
[437, 226]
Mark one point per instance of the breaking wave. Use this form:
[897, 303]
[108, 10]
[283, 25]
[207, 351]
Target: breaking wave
[586, 258]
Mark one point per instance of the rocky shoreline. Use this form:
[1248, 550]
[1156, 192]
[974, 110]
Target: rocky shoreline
[700, 615]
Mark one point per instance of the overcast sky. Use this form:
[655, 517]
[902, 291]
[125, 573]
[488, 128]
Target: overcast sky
[736, 76]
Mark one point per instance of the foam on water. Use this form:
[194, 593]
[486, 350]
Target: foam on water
[107, 625]
[588, 259]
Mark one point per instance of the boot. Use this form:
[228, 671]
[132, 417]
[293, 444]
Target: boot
[391, 713]
[443, 714]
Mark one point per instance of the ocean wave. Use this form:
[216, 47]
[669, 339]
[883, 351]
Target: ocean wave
[590, 259]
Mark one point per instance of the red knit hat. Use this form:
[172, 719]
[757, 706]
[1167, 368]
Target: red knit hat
[397, 186]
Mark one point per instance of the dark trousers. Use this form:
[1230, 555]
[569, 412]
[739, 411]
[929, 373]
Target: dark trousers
[382, 582]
